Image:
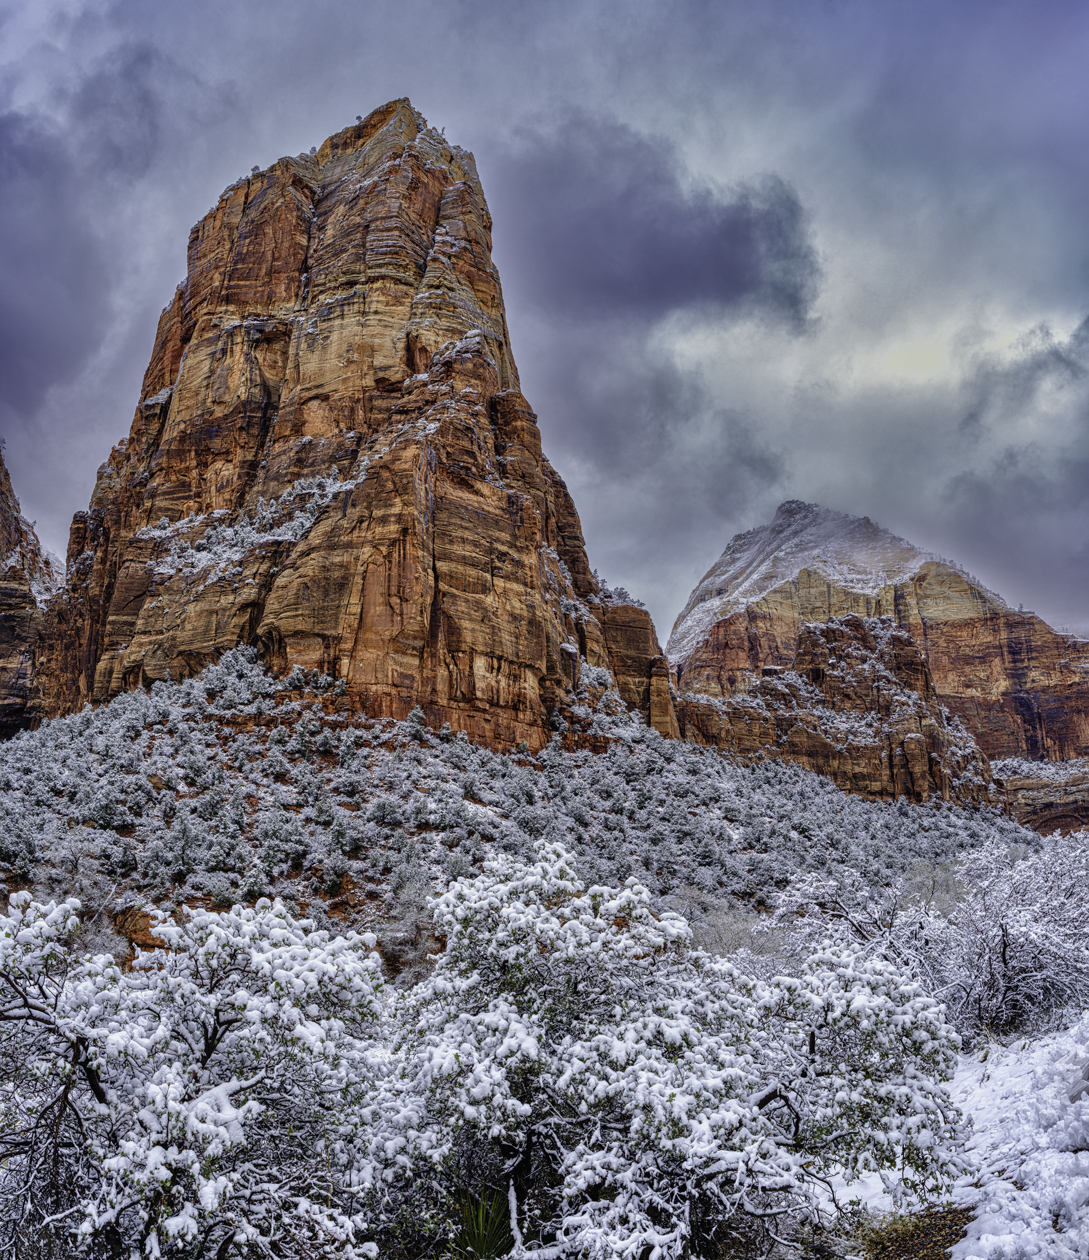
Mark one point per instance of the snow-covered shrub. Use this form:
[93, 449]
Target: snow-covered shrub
[615, 595]
[180, 1108]
[1007, 954]
[632, 1096]
[234, 785]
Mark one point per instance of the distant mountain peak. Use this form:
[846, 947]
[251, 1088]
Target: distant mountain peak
[853, 552]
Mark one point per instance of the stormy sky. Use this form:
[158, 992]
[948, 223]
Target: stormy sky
[829, 250]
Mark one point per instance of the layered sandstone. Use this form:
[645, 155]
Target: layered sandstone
[639, 666]
[28, 577]
[332, 460]
[1046, 796]
[1021, 688]
[857, 704]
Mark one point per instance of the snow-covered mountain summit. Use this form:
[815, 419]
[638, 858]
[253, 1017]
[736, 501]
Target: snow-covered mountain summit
[850, 551]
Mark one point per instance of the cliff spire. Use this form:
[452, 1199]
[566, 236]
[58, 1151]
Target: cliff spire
[28, 577]
[332, 460]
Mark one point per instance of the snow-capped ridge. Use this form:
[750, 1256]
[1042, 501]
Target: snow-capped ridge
[853, 552]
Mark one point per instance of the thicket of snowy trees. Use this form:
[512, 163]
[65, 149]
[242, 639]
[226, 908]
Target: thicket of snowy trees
[572, 1075]
[234, 786]
[1005, 946]
[251, 1089]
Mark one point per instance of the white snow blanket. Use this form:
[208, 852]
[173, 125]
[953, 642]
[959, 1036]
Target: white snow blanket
[1029, 1103]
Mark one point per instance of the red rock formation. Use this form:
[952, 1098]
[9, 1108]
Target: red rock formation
[856, 704]
[1045, 795]
[332, 460]
[1020, 688]
[27, 579]
[639, 665]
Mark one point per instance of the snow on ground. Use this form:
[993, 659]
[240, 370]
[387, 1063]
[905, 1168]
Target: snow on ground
[1032, 1143]
[1028, 1104]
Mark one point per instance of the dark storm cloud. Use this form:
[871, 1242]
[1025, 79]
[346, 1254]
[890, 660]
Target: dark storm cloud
[57, 258]
[658, 467]
[54, 288]
[96, 197]
[599, 223]
[600, 238]
[116, 110]
[1004, 389]
[664, 175]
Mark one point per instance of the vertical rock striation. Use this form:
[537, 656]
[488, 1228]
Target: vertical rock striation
[640, 667]
[332, 460]
[28, 577]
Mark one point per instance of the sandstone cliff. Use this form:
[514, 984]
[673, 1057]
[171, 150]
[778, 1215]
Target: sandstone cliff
[28, 577]
[1019, 687]
[639, 666]
[1046, 795]
[857, 704]
[332, 460]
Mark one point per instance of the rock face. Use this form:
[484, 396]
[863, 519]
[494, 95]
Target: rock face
[857, 704]
[332, 460]
[639, 666]
[27, 579]
[1019, 687]
[1046, 796]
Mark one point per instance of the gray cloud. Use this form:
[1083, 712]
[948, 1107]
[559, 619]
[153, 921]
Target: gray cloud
[1025, 508]
[115, 111]
[665, 177]
[600, 238]
[55, 275]
[598, 223]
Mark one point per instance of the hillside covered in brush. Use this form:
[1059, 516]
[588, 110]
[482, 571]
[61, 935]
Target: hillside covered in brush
[236, 785]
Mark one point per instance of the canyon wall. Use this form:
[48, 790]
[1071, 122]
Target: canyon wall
[332, 460]
[855, 702]
[1048, 796]
[28, 577]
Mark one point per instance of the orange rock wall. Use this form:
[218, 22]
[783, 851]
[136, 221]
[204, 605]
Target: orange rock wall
[859, 706]
[26, 577]
[1021, 688]
[639, 665]
[332, 460]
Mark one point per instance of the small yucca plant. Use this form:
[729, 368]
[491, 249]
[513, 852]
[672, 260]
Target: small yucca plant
[485, 1227]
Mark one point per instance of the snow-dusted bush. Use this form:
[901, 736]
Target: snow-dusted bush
[181, 1108]
[235, 785]
[615, 595]
[1006, 954]
[632, 1096]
